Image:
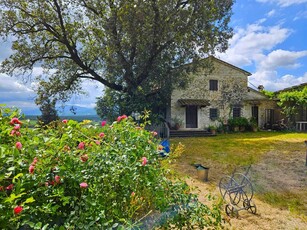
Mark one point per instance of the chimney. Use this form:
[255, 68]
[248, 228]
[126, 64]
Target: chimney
[260, 87]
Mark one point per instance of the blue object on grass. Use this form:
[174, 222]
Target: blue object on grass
[166, 148]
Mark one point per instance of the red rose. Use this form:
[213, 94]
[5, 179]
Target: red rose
[57, 179]
[10, 187]
[65, 121]
[101, 135]
[103, 123]
[18, 210]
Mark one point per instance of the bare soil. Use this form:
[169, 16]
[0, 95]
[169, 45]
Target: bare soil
[275, 173]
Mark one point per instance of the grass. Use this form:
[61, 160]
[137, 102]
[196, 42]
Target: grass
[240, 148]
[228, 151]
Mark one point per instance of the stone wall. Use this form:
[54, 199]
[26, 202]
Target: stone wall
[232, 89]
[232, 92]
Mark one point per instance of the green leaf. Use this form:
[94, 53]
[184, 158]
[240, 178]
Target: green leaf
[17, 176]
[29, 200]
[11, 168]
[13, 197]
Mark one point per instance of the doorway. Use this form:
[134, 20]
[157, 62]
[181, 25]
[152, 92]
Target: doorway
[191, 116]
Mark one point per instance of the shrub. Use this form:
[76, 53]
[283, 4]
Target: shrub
[72, 175]
[238, 122]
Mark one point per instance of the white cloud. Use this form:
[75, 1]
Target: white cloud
[255, 46]
[284, 3]
[300, 15]
[248, 45]
[271, 13]
[281, 58]
[273, 82]
[10, 84]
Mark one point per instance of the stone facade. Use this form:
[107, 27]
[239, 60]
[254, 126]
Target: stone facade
[225, 88]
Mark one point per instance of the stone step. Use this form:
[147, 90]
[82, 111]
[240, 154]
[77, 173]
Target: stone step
[190, 133]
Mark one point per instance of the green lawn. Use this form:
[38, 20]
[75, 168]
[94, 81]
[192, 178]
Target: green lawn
[240, 148]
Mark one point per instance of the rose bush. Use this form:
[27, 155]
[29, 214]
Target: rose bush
[70, 176]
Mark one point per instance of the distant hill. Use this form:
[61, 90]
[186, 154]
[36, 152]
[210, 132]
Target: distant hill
[66, 111]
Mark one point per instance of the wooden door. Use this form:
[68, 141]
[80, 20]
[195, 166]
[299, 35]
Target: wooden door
[191, 116]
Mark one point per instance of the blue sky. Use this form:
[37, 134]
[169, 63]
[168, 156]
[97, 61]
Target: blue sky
[269, 41]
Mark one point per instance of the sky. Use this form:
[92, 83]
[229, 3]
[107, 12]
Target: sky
[269, 42]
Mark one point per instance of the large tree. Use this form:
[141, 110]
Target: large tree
[134, 47]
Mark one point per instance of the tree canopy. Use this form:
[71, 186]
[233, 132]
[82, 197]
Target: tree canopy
[135, 47]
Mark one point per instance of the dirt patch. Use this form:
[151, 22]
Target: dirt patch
[281, 174]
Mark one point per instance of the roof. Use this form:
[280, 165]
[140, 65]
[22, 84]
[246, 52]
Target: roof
[230, 65]
[295, 87]
[254, 95]
[195, 102]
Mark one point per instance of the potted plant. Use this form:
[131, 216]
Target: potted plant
[253, 124]
[176, 123]
[243, 123]
[212, 129]
[234, 124]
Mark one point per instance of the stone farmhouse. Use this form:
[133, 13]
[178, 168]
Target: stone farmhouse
[216, 96]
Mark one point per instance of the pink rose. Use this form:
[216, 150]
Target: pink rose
[124, 117]
[64, 121]
[84, 158]
[119, 118]
[133, 194]
[101, 135]
[97, 142]
[17, 210]
[83, 185]
[17, 127]
[154, 133]
[81, 145]
[103, 123]
[13, 132]
[18, 133]
[15, 121]
[144, 161]
[31, 169]
[34, 161]
[18, 145]
[66, 148]
[57, 179]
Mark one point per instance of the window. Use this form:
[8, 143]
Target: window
[213, 85]
[236, 112]
[213, 114]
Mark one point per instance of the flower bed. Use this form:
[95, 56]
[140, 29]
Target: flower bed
[73, 175]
